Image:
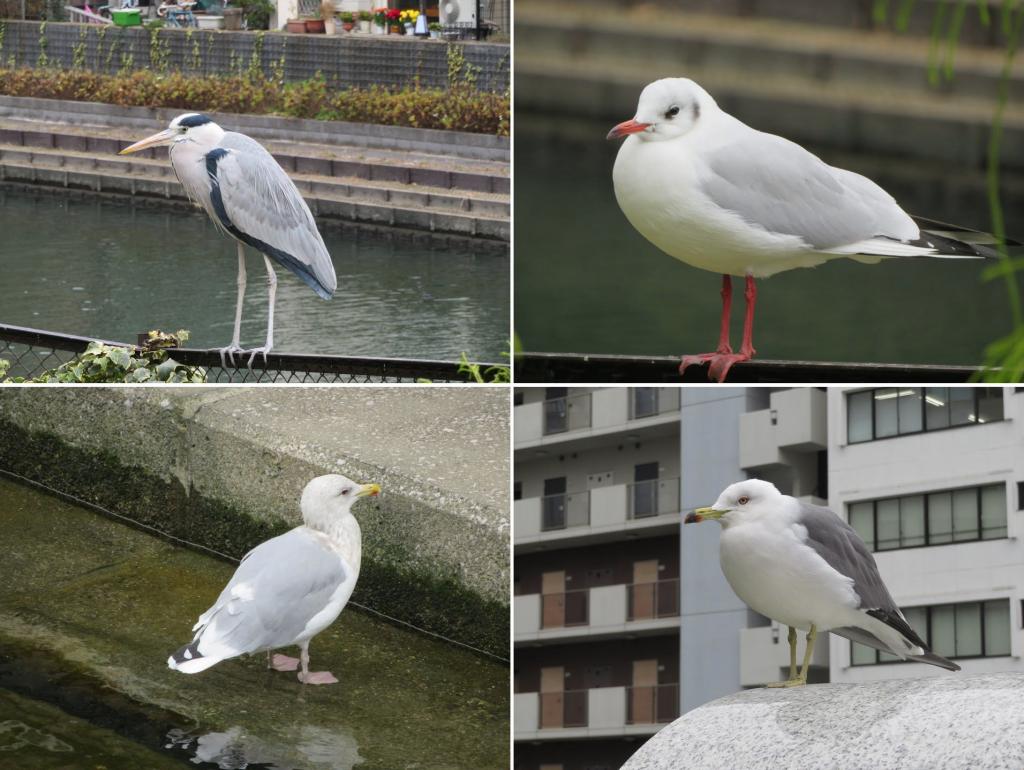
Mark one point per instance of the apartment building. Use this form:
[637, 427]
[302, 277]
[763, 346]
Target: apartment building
[622, 622]
[596, 578]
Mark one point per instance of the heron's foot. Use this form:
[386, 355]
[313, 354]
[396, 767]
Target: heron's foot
[284, 663]
[798, 682]
[721, 362]
[256, 351]
[228, 354]
[317, 677]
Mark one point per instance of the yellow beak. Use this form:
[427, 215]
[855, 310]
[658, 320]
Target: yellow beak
[371, 490]
[164, 137]
[703, 514]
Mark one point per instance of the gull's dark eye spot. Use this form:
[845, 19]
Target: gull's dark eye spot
[743, 500]
[672, 113]
[346, 490]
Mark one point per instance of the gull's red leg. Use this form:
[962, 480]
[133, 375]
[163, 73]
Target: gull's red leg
[722, 359]
[723, 335]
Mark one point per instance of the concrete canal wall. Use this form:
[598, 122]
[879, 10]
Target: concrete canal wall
[225, 467]
[343, 60]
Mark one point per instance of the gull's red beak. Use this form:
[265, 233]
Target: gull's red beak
[626, 127]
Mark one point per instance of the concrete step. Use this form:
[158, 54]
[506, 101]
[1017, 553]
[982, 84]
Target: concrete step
[760, 48]
[842, 14]
[310, 184]
[373, 164]
[595, 66]
[325, 201]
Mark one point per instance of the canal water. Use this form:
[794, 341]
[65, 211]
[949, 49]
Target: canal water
[90, 610]
[112, 270]
[586, 281]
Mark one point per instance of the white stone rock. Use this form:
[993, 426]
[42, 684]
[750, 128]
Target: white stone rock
[938, 722]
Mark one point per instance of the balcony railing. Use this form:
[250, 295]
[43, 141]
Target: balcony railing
[567, 413]
[652, 498]
[565, 510]
[570, 608]
[652, 704]
[648, 601]
[567, 708]
[650, 402]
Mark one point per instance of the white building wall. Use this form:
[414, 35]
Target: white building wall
[959, 572]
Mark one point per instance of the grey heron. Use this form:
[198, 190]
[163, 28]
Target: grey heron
[250, 197]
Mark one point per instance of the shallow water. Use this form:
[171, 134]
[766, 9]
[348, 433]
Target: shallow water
[586, 281]
[92, 608]
[111, 270]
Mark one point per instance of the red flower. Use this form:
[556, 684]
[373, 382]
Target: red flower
[394, 14]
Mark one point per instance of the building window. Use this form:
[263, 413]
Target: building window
[966, 630]
[517, 490]
[936, 518]
[518, 398]
[645, 402]
[886, 412]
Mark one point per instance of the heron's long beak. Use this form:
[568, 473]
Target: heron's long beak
[371, 490]
[164, 137]
[703, 514]
[627, 127]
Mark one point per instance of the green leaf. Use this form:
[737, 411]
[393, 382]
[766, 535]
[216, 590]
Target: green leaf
[142, 375]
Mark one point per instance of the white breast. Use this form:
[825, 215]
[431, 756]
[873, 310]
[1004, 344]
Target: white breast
[783, 579]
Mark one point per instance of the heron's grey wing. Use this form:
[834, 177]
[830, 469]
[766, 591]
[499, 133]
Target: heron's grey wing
[778, 185]
[276, 590]
[255, 197]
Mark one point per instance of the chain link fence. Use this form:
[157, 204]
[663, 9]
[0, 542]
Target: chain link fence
[30, 352]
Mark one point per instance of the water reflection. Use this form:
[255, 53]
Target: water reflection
[236, 749]
[111, 270]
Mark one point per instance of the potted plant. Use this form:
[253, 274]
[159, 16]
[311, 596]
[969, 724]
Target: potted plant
[394, 21]
[408, 19]
[348, 20]
[327, 14]
[315, 25]
[296, 26]
[365, 19]
[380, 21]
[435, 30]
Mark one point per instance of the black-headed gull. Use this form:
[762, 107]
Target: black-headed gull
[719, 195]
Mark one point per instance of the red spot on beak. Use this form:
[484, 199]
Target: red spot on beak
[693, 518]
[626, 127]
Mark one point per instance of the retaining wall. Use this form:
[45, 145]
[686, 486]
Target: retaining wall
[344, 60]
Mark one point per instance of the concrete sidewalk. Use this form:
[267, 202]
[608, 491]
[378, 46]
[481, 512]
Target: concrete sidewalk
[224, 467]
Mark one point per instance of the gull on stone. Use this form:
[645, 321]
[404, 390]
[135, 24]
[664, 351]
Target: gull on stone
[803, 566]
[715, 193]
[288, 589]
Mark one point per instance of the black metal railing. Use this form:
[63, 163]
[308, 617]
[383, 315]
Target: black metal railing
[583, 367]
[31, 352]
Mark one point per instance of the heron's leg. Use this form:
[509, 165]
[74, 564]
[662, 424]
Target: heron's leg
[723, 358]
[792, 652]
[796, 681]
[271, 296]
[313, 677]
[236, 345]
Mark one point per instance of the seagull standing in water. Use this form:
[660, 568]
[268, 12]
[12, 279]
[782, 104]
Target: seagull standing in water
[250, 197]
[714, 193]
[288, 589]
[804, 566]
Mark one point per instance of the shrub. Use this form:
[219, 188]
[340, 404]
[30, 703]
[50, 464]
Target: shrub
[458, 108]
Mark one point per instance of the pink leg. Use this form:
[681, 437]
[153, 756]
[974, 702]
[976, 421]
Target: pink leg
[282, 662]
[313, 677]
[723, 358]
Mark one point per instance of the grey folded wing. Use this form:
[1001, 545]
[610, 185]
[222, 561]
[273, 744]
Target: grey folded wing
[276, 590]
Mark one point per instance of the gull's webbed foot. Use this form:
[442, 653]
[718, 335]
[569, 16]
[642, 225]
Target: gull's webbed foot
[228, 354]
[256, 351]
[317, 677]
[721, 362]
[284, 663]
[798, 682]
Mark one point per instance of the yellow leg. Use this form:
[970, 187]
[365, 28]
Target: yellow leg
[796, 681]
[792, 652]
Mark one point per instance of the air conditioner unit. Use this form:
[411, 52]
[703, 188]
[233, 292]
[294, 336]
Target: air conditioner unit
[461, 17]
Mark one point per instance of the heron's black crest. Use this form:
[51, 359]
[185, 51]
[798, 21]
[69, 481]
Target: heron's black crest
[194, 120]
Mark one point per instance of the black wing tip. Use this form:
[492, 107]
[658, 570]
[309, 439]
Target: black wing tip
[187, 653]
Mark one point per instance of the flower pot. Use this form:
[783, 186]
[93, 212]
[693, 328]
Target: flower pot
[314, 26]
[206, 21]
[396, 29]
[364, 26]
[380, 29]
[435, 34]
[329, 28]
[348, 26]
[409, 29]
[233, 18]
[296, 26]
